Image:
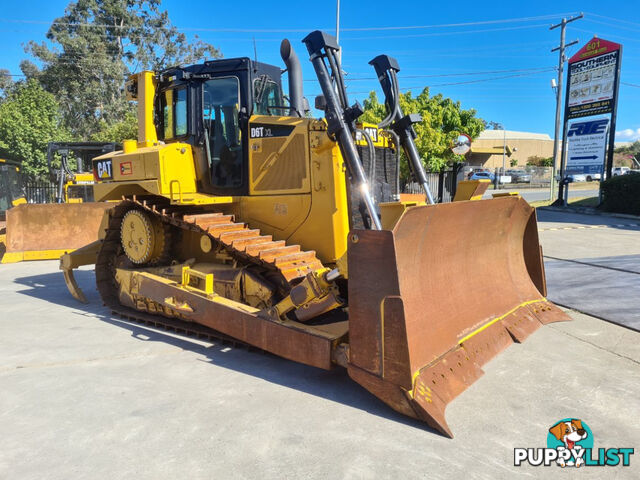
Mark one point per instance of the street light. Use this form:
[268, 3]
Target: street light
[504, 150]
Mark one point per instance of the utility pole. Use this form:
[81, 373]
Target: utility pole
[561, 60]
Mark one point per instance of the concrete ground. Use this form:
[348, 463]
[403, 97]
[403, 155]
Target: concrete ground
[84, 395]
[592, 264]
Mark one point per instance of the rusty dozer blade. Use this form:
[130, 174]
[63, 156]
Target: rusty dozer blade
[436, 298]
[46, 231]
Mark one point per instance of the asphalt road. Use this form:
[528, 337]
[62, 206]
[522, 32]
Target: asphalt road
[592, 264]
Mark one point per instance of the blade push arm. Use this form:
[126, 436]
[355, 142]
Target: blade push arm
[386, 70]
[340, 117]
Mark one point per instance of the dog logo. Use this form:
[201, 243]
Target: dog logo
[570, 444]
[573, 436]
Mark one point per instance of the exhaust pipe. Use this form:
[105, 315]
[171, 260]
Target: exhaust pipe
[296, 97]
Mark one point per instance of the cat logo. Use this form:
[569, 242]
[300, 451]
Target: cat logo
[373, 133]
[103, 170]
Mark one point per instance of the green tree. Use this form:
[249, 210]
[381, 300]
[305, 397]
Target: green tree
[125, 129]
[492, 125]
[631, 149]
[442, 121]
[29, 120]
[93, 48]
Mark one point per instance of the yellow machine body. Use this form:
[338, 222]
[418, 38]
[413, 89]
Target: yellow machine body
[297, 187]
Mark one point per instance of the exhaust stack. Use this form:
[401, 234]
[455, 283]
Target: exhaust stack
[296, 97]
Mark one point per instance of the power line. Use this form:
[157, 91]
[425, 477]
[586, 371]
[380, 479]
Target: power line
[386, 37]
[448, 25]
[613, 18]
[483, 79]
[462, 83]
[612, 25]
[475, 47]
[279, 30]
[442, 34]
[630, 84]
[487, 72]
[614, 36]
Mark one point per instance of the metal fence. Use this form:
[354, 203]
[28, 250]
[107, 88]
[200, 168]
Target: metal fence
[40, 191]
[535, 177]
[519, 177]
[442, 184]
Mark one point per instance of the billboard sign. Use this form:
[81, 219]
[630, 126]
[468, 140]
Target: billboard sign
[593, 79]
[586, 145]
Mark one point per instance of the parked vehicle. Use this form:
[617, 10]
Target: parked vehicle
[619, 171]
[482, 176]
[519, 176]
[576, 177]
[594, 177]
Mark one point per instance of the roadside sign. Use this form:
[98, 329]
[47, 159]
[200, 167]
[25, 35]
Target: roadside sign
[591, 93]
[586, 145]
[592, 79]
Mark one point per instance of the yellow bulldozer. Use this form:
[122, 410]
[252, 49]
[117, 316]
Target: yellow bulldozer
[242, 214]
[26, 217]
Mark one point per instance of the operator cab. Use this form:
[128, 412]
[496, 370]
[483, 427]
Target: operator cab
[209, 106]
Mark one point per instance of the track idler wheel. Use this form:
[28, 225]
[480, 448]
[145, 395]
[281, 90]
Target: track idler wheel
[143, 237]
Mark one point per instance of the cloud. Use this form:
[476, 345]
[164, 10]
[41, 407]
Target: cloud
[628, 134]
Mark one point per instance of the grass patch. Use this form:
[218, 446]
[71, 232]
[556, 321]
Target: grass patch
[573, 202]
[541, 203]
[584, 202]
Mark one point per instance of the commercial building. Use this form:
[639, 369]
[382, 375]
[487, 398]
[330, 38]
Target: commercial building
[496, 148]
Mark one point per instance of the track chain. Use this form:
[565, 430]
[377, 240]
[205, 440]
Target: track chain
[288, 263]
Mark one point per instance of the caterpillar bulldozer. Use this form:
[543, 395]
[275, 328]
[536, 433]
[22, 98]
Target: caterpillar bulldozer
[236, 212]
[27, 232]
[75, 186]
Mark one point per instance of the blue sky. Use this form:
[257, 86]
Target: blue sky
[467, 62]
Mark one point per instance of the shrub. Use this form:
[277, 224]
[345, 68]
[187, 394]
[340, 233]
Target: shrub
[537, 161]
[621, 194]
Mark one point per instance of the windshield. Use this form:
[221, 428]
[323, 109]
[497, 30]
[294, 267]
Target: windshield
[174, 113]
[267, 98]
[220, 100]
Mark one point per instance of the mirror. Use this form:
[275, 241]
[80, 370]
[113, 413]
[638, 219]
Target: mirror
[321, 103]
[461, 145]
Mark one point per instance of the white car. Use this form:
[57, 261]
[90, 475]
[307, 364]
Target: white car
[577, 177]
[593, 176]
[619, 171]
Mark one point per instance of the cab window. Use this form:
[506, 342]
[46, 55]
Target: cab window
[174, 113]
[220, 100]
[267, 98]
